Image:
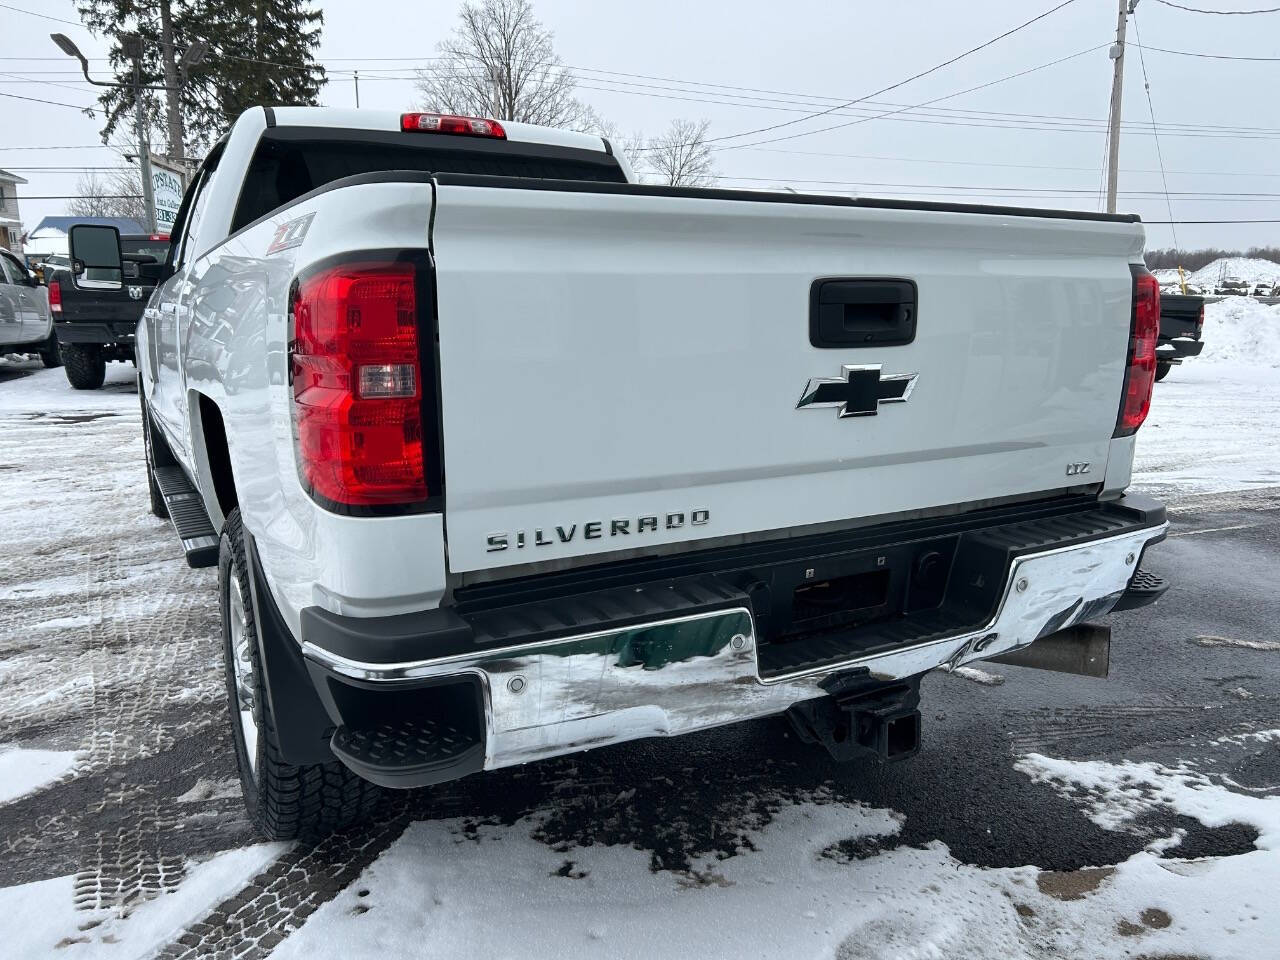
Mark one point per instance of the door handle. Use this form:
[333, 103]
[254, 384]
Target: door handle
[862, 312]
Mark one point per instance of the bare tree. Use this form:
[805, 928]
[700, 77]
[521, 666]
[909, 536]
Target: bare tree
[118, 194]
[681, 156]
[500, 63]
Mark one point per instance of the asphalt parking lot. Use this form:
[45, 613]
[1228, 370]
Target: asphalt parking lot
[109, 656]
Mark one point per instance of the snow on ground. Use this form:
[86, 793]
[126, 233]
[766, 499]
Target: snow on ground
[978, 676]
[28, 388]
[1241, 330]
[1252, 269]
[23, 771]
[52, 923]
[1215, 420]
[823, 879]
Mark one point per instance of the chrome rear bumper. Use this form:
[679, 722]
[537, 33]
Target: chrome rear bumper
[685, 673]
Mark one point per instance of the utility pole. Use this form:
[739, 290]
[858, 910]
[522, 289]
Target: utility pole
[131, 46]
[1117, 92]
[357, 78]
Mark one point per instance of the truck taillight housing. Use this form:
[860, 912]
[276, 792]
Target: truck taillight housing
[451, 123]
[357, 379]
[1140, 373]
[55, 297]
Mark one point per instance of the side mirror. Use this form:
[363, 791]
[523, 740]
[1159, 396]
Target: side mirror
[95, 256]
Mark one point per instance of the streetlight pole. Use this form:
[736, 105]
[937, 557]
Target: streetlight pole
[131, 47]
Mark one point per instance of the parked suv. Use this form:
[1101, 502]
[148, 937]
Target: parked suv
[25, 322]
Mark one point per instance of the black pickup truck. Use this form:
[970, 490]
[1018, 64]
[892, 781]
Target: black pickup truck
[1181, 324]
[96, 317]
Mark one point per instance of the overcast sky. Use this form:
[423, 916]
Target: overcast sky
[1036, 140]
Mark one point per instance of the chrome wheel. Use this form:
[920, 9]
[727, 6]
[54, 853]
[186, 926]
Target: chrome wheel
[242, 666]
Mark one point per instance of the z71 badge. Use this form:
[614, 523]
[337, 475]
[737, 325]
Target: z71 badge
[290, 234]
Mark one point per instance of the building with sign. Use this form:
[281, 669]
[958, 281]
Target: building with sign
[167, 184]
[10, 219]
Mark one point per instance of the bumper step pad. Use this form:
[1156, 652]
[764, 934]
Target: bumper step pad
[1144, 589]
[405, 752]
[982, 563]
[186, 513]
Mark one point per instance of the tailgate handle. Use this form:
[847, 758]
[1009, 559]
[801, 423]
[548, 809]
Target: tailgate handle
[862, 312]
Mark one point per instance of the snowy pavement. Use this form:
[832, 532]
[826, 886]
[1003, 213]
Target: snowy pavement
[1046, 816]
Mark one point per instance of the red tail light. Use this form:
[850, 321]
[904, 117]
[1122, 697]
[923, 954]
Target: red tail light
[357, 385]
[55, 297]
[450, 123]
[1144, 332]
[1200, 322]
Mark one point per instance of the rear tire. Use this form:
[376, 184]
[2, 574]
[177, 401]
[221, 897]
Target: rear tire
[284, 801]
[49, 354]
[1162, 370]
[86, 370]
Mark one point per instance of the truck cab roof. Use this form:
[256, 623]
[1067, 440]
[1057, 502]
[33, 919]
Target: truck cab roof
[388, 121]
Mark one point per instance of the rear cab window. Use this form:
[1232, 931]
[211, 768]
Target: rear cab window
[291, 161]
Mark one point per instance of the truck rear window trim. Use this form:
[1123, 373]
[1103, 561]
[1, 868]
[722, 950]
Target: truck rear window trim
[761, 196]
[292, 162]
[379, 176]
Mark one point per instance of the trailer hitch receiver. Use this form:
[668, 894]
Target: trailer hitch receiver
[863, 718]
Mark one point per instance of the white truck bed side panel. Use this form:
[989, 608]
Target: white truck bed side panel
[236, 353]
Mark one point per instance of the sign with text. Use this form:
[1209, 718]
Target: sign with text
[167, 185]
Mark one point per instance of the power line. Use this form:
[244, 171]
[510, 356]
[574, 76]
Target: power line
[949, 96]
[18, 78]
[81, 146]
[78, 196]
[53, 103]
[608, 86]
[1211, 56]
[1019, 166]
[999, 123]
[894, 86]
[1220, 13]
[43, 16]
[57, 169]
[1151, 111]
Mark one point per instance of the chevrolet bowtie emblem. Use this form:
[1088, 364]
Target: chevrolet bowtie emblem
[858, 391]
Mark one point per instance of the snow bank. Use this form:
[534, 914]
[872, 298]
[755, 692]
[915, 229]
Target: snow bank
[24, 771]
[1241, 329]
[1243, 268]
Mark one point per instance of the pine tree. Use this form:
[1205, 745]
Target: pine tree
[266, 53]
[260, 52]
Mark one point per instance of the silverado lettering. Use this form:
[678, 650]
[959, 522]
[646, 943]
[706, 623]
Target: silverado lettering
[594, 530]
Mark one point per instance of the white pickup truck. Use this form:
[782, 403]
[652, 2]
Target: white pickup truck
[502, 455]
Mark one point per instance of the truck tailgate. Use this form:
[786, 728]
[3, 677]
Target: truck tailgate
[622, 369]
